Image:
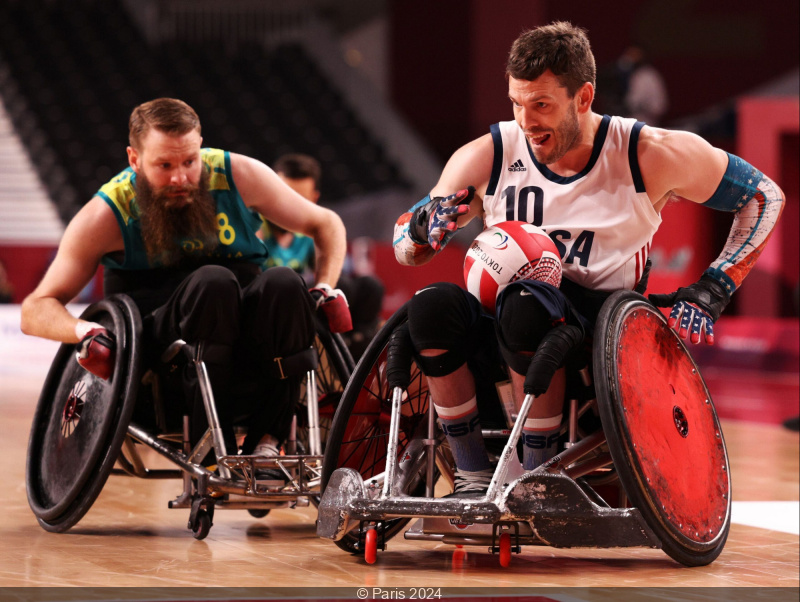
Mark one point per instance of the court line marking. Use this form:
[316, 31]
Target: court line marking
[775, 516]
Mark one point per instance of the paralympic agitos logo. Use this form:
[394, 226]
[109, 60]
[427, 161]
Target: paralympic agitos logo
[503, 244]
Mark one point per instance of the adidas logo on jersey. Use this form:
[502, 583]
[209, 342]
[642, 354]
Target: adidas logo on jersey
[517, 166]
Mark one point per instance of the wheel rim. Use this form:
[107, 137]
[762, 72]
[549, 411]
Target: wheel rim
[364, 446]
[672, 430]
[662, 430]
[74, 418]
[359, 433]
[84, 419]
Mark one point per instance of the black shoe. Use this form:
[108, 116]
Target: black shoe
[270, 474]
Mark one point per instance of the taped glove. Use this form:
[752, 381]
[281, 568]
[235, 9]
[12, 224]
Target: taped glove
[334, 304]
[436, 220]
[96, 352]
[695, 308]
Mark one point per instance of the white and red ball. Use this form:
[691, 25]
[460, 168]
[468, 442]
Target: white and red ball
[505, 253]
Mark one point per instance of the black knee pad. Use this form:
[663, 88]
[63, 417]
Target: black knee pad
[521, 327]
[442, 364]
[440, 317]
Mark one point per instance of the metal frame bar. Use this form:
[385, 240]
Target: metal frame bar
[312, 402]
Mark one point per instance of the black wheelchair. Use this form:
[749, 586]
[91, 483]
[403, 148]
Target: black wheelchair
[642, 459]
[84, 426]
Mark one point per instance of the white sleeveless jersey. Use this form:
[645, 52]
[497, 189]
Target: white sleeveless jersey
[601, 219]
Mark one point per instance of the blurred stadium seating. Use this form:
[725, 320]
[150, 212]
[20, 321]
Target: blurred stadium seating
[269, 77]
[76, 69]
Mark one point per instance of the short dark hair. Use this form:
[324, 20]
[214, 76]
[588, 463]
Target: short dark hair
[297, 166]
[560, 47]
[168, 115]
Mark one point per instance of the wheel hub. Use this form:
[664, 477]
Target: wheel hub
[73, 408]
[681, 423]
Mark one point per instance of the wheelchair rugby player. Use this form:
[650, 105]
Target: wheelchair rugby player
[176, 234]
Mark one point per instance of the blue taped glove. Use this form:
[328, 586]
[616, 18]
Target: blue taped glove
[695, 308]
[692, 320]
[442, 221]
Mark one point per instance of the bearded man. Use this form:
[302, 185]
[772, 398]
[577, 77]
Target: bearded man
[176, 231]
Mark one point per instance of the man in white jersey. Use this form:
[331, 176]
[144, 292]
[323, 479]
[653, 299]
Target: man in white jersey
[596, 184]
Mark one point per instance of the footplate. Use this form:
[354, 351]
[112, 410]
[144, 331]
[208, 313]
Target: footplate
[301, 474]
[562, 515]
[552, 508]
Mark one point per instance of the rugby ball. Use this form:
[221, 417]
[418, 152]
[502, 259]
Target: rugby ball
[505, 253]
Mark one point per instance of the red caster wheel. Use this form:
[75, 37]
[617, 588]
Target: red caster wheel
[505, 549]
[371, 546]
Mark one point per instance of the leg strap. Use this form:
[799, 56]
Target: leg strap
[441, 365]
[295, 364]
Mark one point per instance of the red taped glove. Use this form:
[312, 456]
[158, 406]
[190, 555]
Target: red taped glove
[334, 304]
[96, 352]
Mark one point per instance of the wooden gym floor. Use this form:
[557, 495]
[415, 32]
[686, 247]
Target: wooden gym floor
[131, 539]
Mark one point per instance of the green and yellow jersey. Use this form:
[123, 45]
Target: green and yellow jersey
[236, 224]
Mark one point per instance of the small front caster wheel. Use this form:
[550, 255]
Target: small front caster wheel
[371, 546]
[505, 550]
[202, 525]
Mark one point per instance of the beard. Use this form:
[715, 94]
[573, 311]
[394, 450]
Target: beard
[565, 135]
[168, 220]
